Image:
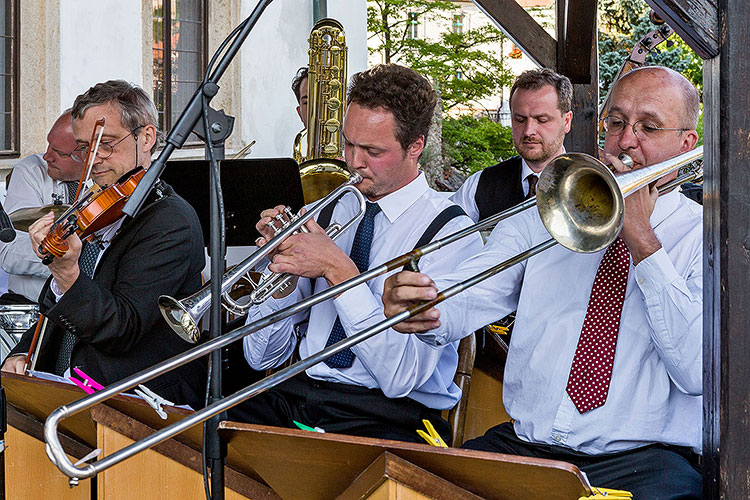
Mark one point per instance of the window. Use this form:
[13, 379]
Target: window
[179, 51]
[458, 23]
[9, 77]
[412, 26]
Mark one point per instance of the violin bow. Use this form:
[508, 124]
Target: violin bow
[41, 325]
[96, 138]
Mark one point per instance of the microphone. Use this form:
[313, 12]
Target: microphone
[7, 232]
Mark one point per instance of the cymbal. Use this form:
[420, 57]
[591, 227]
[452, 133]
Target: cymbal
[25, 217]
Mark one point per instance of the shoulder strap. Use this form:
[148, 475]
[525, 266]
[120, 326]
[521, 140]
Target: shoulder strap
[324, 217]
[324, 220]
[434, 228]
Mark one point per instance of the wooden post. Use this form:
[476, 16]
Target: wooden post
[577, 58]
[727, 259]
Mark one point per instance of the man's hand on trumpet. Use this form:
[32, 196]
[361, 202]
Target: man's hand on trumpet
[311, 255]
[405, 289]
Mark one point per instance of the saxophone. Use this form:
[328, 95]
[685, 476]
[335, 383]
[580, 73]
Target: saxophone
[323, 170]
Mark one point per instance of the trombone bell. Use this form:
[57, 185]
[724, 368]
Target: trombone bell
[582, 203]
[579, 202]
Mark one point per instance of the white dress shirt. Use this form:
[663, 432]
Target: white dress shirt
[400, 365]
[30, 186]
[656, 387]
[465, 197]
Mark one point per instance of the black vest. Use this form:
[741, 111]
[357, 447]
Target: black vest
[499, 187]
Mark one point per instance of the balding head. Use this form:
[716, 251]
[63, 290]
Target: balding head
[60, 143]
[669, 80]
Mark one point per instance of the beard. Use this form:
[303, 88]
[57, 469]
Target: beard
[547, 151]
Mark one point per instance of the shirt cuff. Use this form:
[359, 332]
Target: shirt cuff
[56, 290]
[356, 305]
[655, 272]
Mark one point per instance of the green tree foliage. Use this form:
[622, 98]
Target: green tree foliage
[622, 24]
[472, 144]
[459, 64]
[388, 23]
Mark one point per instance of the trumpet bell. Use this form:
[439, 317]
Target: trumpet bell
[580, 202]
[180, 318]
[321, 176]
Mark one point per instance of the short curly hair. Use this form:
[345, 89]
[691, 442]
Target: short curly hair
[400, 90]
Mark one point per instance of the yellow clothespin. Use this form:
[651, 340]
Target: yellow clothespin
[497, 329]
[608, 494]
[431, 436]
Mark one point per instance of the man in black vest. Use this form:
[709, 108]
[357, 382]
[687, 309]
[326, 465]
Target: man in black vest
[540, 105]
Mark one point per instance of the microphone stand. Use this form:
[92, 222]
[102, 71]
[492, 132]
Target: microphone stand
[214, 129]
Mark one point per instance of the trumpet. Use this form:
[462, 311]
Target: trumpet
[604, 193]
[184, 315]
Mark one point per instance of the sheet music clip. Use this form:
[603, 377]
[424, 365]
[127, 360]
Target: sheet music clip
[88, 384]
[154, 400]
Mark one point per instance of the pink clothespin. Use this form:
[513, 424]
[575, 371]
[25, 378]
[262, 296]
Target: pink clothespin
[88, 384]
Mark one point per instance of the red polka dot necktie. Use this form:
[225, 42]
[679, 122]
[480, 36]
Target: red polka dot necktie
[591, 372]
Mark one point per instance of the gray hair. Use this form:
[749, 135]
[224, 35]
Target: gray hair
[136, 107]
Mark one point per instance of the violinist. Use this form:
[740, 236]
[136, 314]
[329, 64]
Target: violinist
[101, 301]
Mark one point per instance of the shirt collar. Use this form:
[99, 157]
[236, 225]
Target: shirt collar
[396, 203]
[526, 170]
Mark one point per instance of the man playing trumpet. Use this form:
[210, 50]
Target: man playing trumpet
[385, 386]
[604, 368]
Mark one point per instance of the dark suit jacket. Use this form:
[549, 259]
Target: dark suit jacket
[115, 315]
[499, 187]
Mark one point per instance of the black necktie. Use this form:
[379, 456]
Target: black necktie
[71, 187]
[532, 178]
[86, 263]
[360, 255]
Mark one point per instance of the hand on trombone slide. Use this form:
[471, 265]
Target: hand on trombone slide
[405, 289]
[310, 253]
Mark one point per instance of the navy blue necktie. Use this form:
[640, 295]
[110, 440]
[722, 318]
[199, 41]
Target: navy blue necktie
[86, 263]
[360, 255]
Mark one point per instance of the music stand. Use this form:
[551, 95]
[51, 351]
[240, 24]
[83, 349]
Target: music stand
[249, 186]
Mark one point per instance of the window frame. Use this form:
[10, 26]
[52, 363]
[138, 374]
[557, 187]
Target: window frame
[167, 48]
[15, 81]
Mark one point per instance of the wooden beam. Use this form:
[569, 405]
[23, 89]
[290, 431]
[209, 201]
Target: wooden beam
[574, 16]
[727, 259]
[520, 27]
[579, 38]
[696, 21]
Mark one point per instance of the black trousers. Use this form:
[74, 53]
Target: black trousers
[339, 408]
[654, 472]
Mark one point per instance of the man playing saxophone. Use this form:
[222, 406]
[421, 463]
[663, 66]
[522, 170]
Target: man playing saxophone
[604, 367]
[386, 385]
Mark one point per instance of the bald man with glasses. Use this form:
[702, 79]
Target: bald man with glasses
[38, 180]
[605, 366]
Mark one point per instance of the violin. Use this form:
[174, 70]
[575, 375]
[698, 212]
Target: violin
[95, 210]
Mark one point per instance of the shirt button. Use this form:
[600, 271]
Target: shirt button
[557, 437]
[641, 281]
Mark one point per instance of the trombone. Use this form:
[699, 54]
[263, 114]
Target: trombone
[572, 172]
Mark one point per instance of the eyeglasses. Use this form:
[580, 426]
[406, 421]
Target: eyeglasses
[106, 148]
[643, 129]
[60, 153]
